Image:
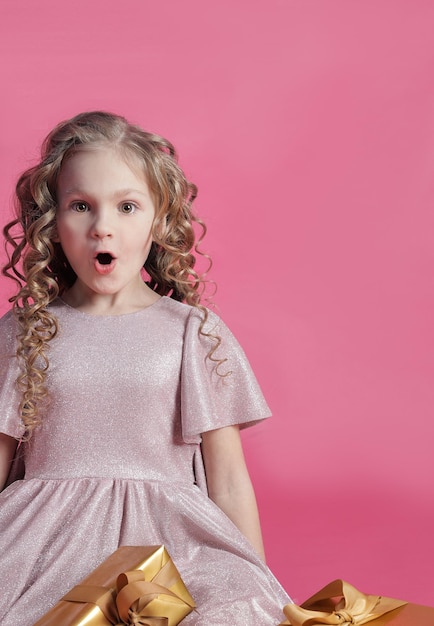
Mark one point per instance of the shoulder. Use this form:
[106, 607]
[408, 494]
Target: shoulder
[7, 319]
[8, 340]
[200, 327]
[174, 308]
[8, 329]
[190, 315]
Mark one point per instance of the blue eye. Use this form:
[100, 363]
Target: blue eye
[127, 207]
[80, 207]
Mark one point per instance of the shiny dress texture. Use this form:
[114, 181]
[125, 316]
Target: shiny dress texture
[117, 462]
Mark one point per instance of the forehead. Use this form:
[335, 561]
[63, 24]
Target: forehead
[101, 166]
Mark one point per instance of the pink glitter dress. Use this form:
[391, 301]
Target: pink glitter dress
[114, 464]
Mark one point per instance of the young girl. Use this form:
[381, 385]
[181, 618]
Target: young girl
[110, 383]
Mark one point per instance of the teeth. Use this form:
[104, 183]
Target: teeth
[105, 258]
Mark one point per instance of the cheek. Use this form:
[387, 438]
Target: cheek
[68, 224]
[66, 235]
[145, 232]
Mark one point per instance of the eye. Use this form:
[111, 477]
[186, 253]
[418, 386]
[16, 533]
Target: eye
[80, 207]
[127, 207]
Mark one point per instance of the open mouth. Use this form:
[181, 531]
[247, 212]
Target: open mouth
[104, 258]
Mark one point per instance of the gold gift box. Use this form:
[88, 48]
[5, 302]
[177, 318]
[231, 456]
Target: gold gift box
[340, 603]
[407, 615]
[142, 580]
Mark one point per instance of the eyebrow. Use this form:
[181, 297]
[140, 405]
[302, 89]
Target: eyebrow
[117, 194]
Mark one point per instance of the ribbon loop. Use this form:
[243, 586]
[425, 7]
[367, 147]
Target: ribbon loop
[353, 609]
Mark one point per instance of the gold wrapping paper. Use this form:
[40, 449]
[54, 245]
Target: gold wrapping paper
[135, 585]
[341, 604]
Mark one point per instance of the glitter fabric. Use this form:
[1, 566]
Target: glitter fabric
[113, 463]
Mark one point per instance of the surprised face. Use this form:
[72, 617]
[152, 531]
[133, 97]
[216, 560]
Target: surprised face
[104, 222]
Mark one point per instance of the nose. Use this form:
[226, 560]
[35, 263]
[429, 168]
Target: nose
[102, 226]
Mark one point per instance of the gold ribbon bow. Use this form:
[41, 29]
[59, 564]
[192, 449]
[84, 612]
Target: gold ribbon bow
[129, 603]
[353, 609]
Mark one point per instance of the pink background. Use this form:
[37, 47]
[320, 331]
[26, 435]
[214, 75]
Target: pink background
[308, 126]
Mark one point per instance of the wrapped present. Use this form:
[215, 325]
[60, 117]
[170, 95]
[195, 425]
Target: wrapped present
[135, 585]
[341, 604]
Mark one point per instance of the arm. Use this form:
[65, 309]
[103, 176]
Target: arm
[229, 484]
[7, 450]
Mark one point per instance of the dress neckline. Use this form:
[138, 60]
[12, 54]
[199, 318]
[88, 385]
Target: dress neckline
[60, 302]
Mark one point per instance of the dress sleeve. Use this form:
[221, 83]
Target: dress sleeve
[10, 422]
[210, 400]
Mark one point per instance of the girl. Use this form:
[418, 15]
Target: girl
[111, 383]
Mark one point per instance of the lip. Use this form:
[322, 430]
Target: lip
[104, 268]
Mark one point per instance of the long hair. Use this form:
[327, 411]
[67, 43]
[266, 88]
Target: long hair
[40, 268]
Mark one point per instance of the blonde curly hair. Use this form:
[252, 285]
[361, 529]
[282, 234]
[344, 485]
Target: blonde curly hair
[40, 268]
